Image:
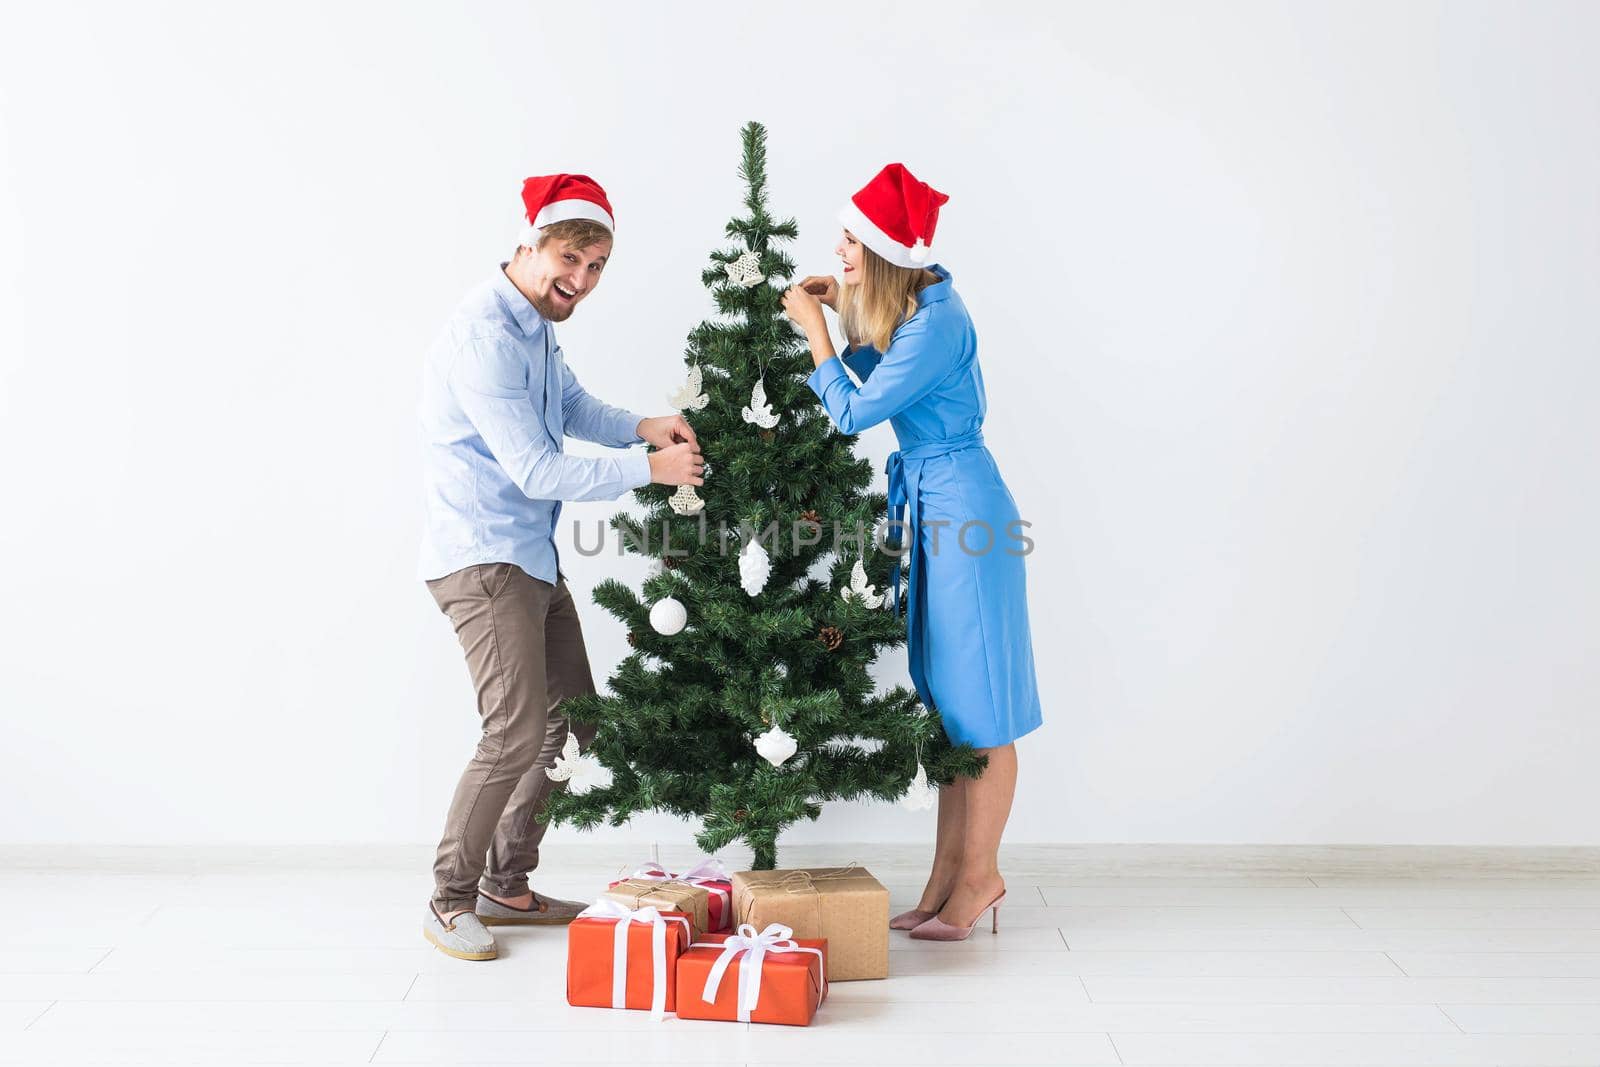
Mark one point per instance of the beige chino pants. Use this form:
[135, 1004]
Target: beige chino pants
[525, 653]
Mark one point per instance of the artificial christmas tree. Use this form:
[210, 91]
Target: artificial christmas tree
[768, 636]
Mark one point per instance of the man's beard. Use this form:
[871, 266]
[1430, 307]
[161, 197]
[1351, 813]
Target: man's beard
[549, 310]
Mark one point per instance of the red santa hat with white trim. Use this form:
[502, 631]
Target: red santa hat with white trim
[895, 215]
[560, 197]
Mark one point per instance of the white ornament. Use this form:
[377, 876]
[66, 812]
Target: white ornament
[668, 616]
[860, 590]
[688, 397]
[686, 501]
[920, 795]
[775, 746]
[754, 567]
[581, 773]
[759, 411]
[745, 271]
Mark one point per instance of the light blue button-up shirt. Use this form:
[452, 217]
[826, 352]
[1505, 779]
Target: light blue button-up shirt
[497, 401]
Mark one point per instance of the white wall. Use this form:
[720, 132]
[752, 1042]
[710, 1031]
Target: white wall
[1288, 320]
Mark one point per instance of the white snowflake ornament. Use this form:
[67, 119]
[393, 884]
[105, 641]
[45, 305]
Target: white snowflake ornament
[668, 616]
[689, 397]
[581, 773]
[754, 567]
[686, 501]
[860, 590]
[759, 411]
[775, 746]
[745, 271]
[920, 795]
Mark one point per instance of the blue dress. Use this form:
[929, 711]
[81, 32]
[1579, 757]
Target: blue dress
[966, 605]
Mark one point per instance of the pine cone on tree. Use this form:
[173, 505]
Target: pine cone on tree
[633, 639]
[831, 637]
[809, 516]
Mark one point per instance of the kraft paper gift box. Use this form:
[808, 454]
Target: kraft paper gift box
[844, 906]
[768, 977]
[691, 900]
[710, 875]
[620, 957]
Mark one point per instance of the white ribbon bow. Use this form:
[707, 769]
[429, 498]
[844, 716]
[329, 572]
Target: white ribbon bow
[611, 909]
[754, 947]
[701, 874]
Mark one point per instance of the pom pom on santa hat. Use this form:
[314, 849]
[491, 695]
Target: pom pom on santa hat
[554, 198]
[895, 215]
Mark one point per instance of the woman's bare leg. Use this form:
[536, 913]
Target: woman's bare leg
[948, 846]
[988, 806]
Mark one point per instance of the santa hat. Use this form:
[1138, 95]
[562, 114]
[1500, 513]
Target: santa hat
[559, 197]
[894, 215]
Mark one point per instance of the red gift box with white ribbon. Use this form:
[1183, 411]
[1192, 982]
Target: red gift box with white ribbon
[750, 977]
[618, 957]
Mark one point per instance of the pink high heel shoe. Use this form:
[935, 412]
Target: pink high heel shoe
[936, 929]
[910, 920]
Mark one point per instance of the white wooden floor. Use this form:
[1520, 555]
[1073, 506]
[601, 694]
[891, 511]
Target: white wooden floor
[1104, 956]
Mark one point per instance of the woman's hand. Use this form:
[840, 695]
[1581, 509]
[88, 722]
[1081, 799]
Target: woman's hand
[803, 309]
[824, 287]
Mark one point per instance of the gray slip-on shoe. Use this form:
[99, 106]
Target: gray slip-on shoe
[545, 911]
[463, 937]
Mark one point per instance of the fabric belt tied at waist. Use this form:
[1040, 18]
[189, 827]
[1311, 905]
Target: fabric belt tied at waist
[900, 498]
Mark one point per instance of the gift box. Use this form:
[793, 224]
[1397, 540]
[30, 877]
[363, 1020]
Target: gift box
[844, 906]
[709, 875]
[746, 977]
[691, 900]
[621, 957]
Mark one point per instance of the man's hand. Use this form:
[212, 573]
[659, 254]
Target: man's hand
[664, 431]
[679, 464]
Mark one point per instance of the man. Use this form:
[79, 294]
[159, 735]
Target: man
[497, 400]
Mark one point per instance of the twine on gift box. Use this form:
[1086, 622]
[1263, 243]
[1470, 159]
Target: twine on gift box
[641, 888]
[700, 876]
[803, 880]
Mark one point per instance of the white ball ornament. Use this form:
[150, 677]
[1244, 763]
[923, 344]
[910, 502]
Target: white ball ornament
[775, 746]
[668, 616]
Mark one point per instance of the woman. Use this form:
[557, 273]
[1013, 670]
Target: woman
[912, 344]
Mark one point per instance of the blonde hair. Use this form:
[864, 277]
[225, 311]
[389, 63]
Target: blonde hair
[887, 295]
